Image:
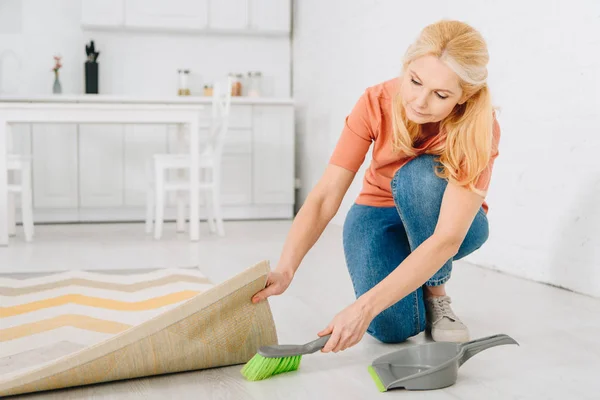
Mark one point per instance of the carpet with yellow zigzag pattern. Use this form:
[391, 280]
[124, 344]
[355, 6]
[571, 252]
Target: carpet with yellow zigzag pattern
[81, 327]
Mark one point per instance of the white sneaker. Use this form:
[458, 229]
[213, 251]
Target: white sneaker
[442, 323]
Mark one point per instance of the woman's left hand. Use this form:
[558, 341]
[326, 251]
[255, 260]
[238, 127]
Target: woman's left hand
[347, 328]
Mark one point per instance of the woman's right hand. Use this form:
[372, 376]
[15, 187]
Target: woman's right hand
[277, 283]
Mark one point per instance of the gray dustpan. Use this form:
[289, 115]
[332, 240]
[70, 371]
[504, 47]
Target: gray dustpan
[428, 366]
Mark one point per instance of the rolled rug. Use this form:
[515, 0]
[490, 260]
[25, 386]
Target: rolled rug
[78, 327]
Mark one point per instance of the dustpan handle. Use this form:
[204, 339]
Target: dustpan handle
[469, 349]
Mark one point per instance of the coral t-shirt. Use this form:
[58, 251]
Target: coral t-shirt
[370, 122]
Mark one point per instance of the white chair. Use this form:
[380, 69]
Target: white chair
[210, 172]
[21, 164]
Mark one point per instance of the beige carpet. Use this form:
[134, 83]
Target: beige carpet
[79, 327]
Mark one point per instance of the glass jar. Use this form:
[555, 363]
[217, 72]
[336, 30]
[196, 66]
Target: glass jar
[184, 90]
[254, 83]
[236, 84]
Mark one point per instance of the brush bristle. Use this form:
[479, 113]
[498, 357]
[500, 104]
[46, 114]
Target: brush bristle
[260, 367]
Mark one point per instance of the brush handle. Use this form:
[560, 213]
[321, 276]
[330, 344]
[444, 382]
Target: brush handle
[315, 345]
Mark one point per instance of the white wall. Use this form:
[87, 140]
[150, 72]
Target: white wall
[544, 74]
[130, 63]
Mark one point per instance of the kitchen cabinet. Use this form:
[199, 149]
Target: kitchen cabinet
[243, 17]
[237, 167]
[101, 164]
[270, 15]
[102, 12]
[228, 14]
[98, 172]
[55, 170]
[161, 14]
[141, 142]
[273, 153]
[237, 179]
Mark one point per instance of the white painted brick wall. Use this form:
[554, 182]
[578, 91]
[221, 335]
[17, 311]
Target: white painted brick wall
[545, 76]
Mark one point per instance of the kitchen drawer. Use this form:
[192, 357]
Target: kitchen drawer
[239, 117]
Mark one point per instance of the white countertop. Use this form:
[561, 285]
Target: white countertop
[101, 98]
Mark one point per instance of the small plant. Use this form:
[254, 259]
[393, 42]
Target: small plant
[57, 88]
[57, 64]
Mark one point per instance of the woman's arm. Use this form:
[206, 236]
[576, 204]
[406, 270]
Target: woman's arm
[320, 207]
[458, 210]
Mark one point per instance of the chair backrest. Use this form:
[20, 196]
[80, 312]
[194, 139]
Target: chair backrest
[221, 106]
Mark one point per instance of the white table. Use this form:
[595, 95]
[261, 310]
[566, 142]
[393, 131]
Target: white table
[125, 112]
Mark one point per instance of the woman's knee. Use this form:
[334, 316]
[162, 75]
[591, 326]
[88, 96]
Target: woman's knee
[416, 180]
[477, 235]
[388, 330]
[388, 337]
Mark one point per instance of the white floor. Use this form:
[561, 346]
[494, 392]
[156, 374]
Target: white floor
[558, 331]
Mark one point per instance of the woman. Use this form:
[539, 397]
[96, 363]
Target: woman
[435, 139]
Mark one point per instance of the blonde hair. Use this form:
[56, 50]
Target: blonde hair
[467, 148]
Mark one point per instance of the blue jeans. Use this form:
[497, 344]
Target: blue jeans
[377, 239]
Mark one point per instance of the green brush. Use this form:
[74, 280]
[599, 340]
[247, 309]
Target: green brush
[273, 360]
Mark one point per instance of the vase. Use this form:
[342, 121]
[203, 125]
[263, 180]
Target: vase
[91, 77]
[56, 88]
